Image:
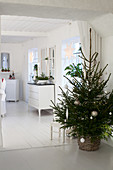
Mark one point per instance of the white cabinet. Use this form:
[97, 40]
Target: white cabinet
[12, 90]
[40, 96]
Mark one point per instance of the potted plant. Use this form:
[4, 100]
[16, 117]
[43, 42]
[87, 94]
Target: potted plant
[2, 69]
[8, 69]
[90, 107]
[5, 69]
[74, 71]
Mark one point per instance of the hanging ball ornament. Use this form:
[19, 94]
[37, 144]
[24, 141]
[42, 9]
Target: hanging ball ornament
[66, 86]
[105, 92]
[76, 102]
[89, 89]
[94, 113]
[110, 113]
[91, 117]
[82, 140]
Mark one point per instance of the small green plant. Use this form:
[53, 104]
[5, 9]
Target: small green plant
[42, 77]
[2, 69]
[74, 71]
[5, 69]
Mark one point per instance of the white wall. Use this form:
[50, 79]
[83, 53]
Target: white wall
[15, 51]
[55, 38]
[1, 139]
[107, 58]
[16, 61]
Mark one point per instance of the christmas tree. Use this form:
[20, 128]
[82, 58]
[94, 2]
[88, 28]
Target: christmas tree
[89, 106]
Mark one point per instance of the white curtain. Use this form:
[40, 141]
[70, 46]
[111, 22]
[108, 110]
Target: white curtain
[84, 28]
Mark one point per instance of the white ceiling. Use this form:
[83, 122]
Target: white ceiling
[60, 9]
[30, 24]
[104, 25]
[17, 29]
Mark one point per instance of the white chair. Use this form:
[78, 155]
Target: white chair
[55, 124]
[3, 97]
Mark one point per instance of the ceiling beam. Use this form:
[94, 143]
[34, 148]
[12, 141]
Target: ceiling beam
[24, 34]
[103, 5]
[57, 9]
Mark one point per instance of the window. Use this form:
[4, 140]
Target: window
[5, 60]
[52, 61]
[32, 60]
[70, 48]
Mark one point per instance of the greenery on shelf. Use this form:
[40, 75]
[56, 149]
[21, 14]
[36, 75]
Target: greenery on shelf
[5, 70]
[90, 107]
[42, 77]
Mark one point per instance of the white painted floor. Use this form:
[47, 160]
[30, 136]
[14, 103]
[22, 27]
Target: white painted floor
[22, 128]
[67, 157]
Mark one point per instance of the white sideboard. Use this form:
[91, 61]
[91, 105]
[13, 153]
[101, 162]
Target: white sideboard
[12, 90]
[40, 96]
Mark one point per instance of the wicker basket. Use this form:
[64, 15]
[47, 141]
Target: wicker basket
[88, 145]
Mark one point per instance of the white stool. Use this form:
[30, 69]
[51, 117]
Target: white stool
[58, 125]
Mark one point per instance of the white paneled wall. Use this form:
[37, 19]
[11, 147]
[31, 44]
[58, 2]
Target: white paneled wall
[107, 58]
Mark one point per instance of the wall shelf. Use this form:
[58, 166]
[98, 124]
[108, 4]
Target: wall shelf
[7, 72]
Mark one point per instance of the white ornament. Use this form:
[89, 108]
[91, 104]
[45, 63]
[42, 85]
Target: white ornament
[91, 117]
[94, 113]
[82, 118]
[76, 102]
[89, 89]
[66, 86]
[66, 113]
[105, 92]
[110, 113]
[82, 140]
